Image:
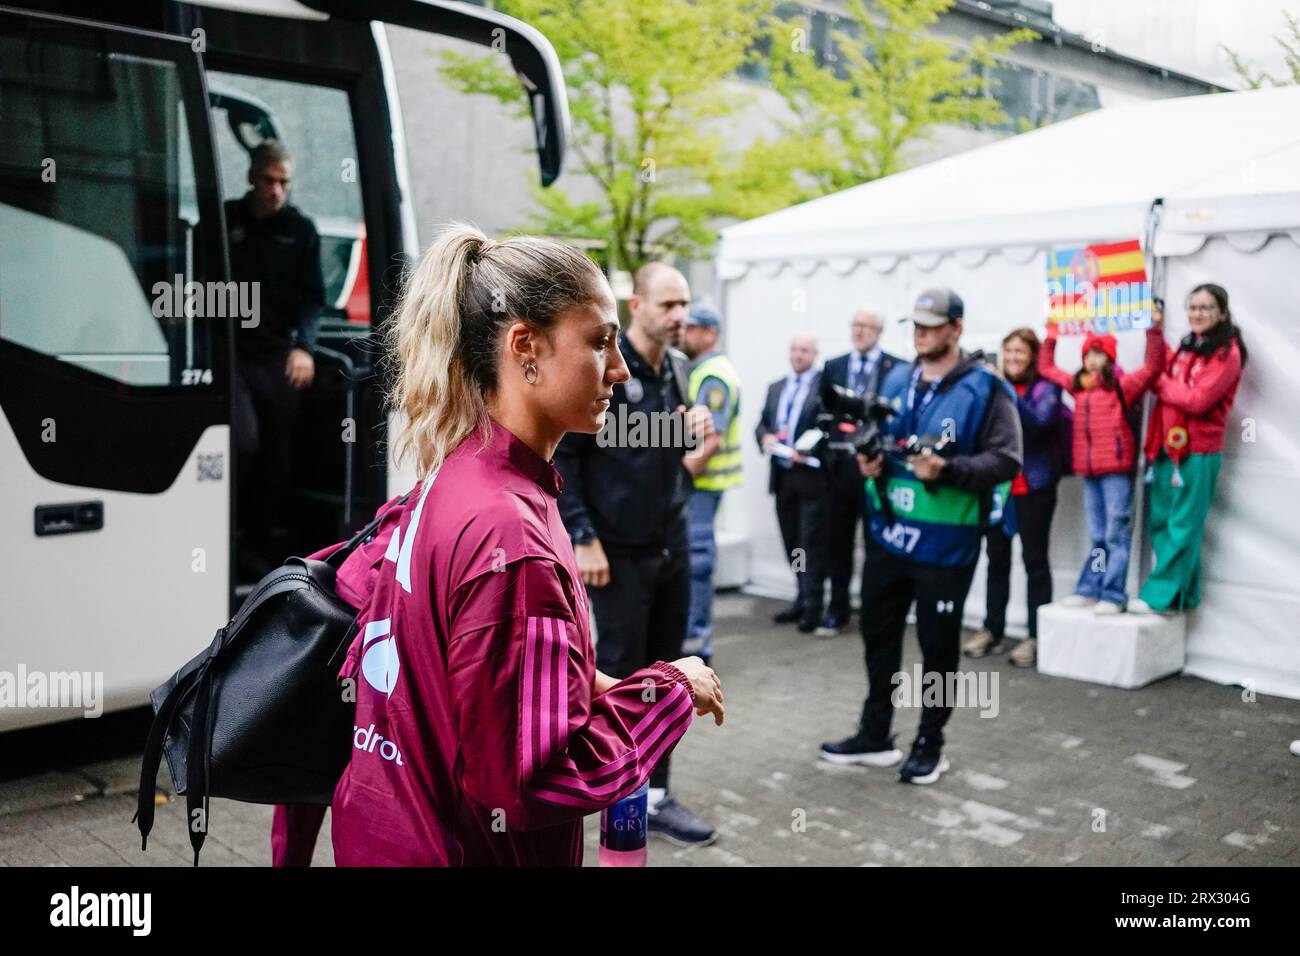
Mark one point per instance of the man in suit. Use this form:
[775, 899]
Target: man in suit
[797, 480]
[861, 371]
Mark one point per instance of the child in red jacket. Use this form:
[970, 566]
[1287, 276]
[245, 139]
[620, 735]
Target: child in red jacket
[1104, 452]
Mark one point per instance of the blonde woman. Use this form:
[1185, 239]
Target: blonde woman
[484, 733]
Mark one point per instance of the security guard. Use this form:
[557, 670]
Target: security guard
[624, 505]
[714, 383]
[951, 452]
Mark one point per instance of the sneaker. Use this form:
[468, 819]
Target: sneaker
[1024, 654]
[1139, 606]
[672, 821]
[1078, 600]
[1107, 608]
[830, 626]
[808, 625]
[983, 643]
[861, 751]
[925, 764]
[788, 616]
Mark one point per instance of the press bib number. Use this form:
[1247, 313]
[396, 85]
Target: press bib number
[903, 498]
[902, 537]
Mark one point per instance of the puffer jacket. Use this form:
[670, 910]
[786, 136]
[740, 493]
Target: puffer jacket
[1196, 396]
[1103, 442]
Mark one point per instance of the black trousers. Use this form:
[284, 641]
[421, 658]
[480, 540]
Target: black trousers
[847, 507]
[1034, 525]
[266, 412]
[889, 586]
[801, 513]
[641, 615]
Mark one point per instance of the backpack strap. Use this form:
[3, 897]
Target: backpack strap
[340, 554]
[152, 759]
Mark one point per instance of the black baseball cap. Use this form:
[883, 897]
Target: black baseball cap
[936, 307]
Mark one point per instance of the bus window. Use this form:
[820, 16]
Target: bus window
[315, 123]
[91, 178]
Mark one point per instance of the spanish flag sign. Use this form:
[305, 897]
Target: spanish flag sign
[1098, 288]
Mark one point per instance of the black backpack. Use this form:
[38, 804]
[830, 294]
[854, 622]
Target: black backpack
[258, 717]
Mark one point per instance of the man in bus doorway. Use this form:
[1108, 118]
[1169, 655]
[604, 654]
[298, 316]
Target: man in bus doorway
[715, 465]
[277, 247]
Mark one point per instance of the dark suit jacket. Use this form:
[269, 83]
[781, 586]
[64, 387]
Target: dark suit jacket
[809, 479]
[844, 471]
[837, 370]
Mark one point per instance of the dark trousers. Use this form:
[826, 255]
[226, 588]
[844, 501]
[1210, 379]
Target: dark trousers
[848, 504]
[801, 507]
[889, 586]
[641, 616]
[1034, 525]
[266, 411]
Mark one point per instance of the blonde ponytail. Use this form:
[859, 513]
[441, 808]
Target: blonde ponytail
[443, 338]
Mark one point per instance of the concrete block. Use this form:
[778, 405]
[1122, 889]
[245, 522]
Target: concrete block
[1123, 650]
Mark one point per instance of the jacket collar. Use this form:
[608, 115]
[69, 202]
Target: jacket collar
[524, 460]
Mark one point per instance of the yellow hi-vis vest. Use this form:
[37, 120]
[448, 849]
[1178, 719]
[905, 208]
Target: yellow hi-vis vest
[723, 470]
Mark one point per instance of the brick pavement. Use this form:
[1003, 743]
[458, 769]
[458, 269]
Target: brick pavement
[1182, 772]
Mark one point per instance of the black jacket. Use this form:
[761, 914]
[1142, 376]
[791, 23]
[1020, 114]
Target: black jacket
[282, 254]
[837, 370]
[809, 479]
[632, 498]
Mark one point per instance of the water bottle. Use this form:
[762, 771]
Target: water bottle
[623, 830]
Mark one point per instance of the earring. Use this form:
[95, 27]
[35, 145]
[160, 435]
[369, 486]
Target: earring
[530, 373]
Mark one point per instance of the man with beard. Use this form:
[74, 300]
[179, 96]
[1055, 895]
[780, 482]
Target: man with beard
[624, 505]
[951, 453]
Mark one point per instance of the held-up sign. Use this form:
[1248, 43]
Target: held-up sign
[1101, 287]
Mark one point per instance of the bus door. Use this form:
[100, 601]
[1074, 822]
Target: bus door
[331, 425]
[114, 378]
[323, 87]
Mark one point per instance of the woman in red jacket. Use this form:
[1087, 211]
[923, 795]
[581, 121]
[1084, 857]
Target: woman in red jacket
[1104, 452]
[1185, 447]
[484, 733]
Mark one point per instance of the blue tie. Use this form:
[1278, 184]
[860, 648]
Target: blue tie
[784, 423]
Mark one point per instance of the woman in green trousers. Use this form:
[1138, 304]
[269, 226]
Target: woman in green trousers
[1185, 447]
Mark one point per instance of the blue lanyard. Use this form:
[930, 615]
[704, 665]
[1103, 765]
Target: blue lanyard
[914, 413]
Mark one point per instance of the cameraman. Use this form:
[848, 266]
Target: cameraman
[955, 440]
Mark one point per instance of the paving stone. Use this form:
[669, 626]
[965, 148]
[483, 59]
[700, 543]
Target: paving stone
[1021, 791]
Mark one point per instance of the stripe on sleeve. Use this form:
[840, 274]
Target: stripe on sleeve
[545, 700]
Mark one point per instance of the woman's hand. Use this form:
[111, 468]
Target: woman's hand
[602, 683]
[592, 563]
[705, 686]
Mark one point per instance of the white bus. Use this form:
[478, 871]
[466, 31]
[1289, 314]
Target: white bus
[122, 133]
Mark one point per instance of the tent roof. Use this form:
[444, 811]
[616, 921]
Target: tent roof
[1093, 176]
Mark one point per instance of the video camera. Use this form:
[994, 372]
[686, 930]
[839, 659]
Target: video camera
[852, 423]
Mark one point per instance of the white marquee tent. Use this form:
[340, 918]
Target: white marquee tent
[1210, 184]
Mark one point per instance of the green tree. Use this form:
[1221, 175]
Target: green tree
[897, 81]
[1289, 41]
[650, 107]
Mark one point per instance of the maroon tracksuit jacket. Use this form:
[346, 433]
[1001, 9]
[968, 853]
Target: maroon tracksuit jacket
[477, 740]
